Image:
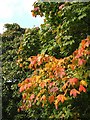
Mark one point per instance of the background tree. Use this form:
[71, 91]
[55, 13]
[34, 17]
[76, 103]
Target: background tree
[11, 73]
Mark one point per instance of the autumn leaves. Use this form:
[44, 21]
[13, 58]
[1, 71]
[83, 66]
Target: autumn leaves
[55, 81]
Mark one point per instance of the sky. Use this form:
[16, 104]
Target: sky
[18, 11]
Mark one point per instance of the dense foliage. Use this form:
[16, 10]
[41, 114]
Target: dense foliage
[50, 63]
[55, 81]
[11, 73]
[65, 23]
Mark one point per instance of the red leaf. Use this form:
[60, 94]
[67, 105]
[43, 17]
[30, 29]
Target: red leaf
[60, 72]
[81, 88]
[54, 89]
[83, 43]
[27, 80]
[32, 97]
[73, 80]
[79, 53]
[81, 62]
[36, 9]
[51, 84]
[33, 61]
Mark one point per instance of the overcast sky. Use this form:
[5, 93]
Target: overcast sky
[18, 11]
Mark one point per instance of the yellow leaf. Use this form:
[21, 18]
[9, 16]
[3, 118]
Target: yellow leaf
[43, 98]
[56, 104]
[84, 83]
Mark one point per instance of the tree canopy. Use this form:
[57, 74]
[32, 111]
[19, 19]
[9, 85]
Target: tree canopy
[48, 67]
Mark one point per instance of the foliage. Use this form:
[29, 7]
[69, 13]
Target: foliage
[65, 24]
[59, 31]
[56, 82]
[58, 78]
[30, 45]
[10, 43]
[11, 73]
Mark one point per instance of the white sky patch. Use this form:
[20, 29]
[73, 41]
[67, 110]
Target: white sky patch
[28, 5]
[12, 9]
[5, 10]
[8, 8]
[2, 29]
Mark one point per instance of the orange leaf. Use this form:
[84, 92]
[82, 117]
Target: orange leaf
[42, 84]
[24, 95]
[19, 84]
[19, 109]
[74, 92]
[27, 80]
[75, 52]
[40, 60]
[83, 43]
[21, 65]
[25, 86]
[72, 66]
[51, 99]
[64, 86]
[61, 98]
[21, 89]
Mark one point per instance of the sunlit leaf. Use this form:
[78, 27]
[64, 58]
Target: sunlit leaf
[51, 99]
[74, 92]
[82, 88]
